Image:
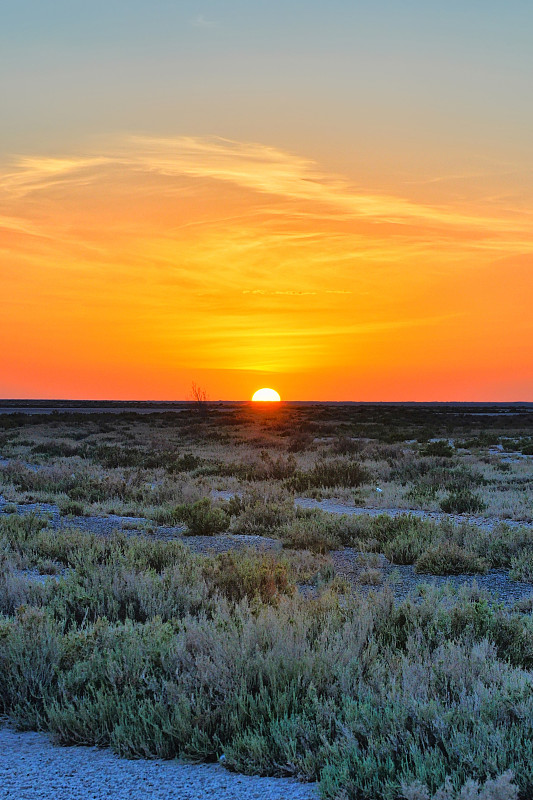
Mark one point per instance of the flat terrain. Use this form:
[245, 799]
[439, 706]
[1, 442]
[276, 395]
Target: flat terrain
[31, 768]
[245, 567]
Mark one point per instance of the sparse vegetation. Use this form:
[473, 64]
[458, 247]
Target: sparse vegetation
[112, 653]
[447, 558]
[439, 448]
[327, 473]
[72, 508]
[271, 658]
[203, 518]
[462, 501]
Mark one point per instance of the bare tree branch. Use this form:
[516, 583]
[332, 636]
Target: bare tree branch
[200, 398]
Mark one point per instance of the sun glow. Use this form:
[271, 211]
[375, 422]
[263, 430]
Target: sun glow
[266, 395]
[274, 266]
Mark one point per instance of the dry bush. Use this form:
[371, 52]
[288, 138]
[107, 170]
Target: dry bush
[249, 575]
[500, 788]
[261, 510]
[156, 652]
[330, 473]
[370, 577]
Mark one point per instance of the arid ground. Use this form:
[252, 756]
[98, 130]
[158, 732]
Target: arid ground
[337, 593]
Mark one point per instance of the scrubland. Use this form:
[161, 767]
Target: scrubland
[273, 660]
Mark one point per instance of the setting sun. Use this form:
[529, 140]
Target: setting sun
[266, 395]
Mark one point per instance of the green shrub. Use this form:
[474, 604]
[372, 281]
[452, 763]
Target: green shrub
[440, 449]
[462, 501]
[56, 449]
[72, 508]
[17, 530]
[261, 512]
[202, 518]
[249, 575]
[367, 698]
[310, 532]
[156, 652]
[522, 566]
[430, 476]
[328, 473]
[447, 558]
[422, 493]
[500, 788]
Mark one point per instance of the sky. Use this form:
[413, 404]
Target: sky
[331, 199]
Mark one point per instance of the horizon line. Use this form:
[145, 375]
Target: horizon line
[189, 401]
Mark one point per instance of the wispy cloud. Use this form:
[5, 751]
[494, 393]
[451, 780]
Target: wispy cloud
[259, 168]
[214, 252]
[294, 292]
[30, 174]
[201, 22]
[20, 225]
[274, 293]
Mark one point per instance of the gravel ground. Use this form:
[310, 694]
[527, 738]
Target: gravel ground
[105, 526]
[31, 768]
[437, 516]
[403, 579]
[231, 541]
[38, 577]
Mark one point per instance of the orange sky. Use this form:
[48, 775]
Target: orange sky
[334, 199]
[131, 269]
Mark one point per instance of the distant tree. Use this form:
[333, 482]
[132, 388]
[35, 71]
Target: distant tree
[200, 398]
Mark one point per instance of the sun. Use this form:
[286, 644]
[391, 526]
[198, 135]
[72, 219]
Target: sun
[266, 395]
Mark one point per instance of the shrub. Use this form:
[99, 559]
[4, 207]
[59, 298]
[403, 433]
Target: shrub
[422, 493]
[263, 468]
[17, 530]
[202, 518]
[328, 473]
[462, 501]
[249, 575]
[430, 476]
[522, 566]
[441, 449]
[447, 558]
[72, 508]
[113, 456]
[501, 788]
[370, 576]
[56, 449]
[311, 531]
[346, 446]
[261, 512]
[274, 468]
[299, 442]
[365, 696]
[320, 531]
